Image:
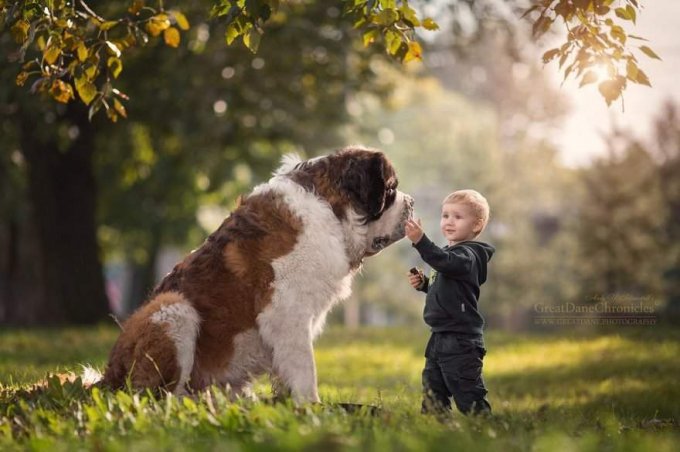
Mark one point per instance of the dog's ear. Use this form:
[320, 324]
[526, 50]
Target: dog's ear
[364, 180]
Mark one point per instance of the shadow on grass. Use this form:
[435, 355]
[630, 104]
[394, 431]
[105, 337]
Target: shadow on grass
[631, 385]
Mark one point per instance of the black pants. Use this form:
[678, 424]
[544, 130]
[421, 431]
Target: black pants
[453, 367]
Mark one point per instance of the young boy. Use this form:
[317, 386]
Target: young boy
[454, 353]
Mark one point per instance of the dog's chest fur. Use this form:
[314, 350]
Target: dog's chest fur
[307, 281]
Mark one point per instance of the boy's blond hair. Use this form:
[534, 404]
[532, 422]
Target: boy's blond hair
[474, 199]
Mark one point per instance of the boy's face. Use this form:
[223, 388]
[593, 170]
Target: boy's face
[458, 222]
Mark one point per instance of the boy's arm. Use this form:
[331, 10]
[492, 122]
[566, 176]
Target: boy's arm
[452, 262]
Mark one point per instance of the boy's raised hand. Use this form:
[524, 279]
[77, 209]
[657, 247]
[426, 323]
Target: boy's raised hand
[414, 230]
[416, 280]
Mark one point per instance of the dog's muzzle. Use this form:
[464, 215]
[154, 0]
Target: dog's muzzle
[381, 242]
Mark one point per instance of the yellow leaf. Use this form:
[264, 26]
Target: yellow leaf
[181, 20]
[588, 77]
[119, 108]
[21, 78]
[157, 24]
[631, 70]
[111, 113]
[171, 37]
[113, 48]
[430, 24]
[51, 54]
[91, 71]
[649, 52]
[61, 91]
[108, 25]
[115, 65]
[415, 52]
[82, 51]
[136, 7]
[20, 31]
[86, 89]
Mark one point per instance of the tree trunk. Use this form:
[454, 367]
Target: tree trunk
[144, 274]
[62, 192]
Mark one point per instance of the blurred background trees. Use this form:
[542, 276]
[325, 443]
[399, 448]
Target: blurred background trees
[93, 213]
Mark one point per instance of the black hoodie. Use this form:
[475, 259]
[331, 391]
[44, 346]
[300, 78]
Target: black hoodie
[453, 288]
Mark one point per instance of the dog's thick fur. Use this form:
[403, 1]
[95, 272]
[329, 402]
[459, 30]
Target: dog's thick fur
[253, 297]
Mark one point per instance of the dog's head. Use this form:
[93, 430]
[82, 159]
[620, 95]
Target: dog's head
[360, 185]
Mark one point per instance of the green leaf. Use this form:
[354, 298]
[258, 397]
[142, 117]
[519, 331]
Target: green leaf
[370, 36]
[622, 13]
[252, 40]
[649, 52]
[231, 34]
[409, 15]
[386, 17]
[392, 42]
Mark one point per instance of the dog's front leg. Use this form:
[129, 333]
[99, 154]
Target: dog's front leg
[292, 355]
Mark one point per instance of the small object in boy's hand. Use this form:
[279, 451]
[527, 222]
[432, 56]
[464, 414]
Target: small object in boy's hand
[414, 271]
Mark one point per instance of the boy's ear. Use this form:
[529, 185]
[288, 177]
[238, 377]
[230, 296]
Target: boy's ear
[477, 228]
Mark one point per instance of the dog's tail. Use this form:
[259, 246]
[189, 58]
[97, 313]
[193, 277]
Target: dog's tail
[89, 376]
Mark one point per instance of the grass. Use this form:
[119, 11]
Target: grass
[563, 390]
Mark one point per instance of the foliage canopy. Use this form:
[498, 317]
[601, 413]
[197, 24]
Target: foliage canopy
[73, 50]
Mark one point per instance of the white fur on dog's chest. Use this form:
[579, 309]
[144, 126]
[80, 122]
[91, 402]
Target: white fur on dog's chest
[307, 282]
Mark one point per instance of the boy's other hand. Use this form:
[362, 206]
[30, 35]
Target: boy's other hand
[414, 230]
[415, 280]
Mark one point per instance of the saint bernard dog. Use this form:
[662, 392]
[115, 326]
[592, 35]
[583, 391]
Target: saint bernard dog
[256, 293]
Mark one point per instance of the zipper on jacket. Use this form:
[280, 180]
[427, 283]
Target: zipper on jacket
[462, 307]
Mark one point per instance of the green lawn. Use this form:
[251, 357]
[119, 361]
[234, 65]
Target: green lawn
[583, 390]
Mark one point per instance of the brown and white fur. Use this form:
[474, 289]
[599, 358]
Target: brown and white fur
[254, 296]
